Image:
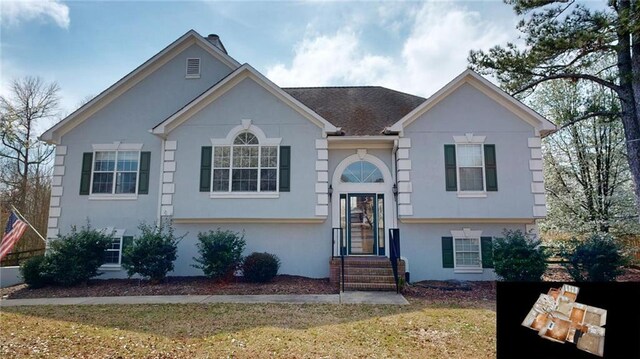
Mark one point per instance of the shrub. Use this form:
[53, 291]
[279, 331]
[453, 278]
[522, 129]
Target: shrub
[518, 257]
[220, 253]
[151, 255]
[260, 267]
[75, 258]
[34, 272]
[597, 258]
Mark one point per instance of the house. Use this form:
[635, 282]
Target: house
[306, 173]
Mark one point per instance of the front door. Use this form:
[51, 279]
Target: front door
[364, 223]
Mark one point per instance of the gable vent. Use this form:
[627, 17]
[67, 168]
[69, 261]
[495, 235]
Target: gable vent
[193, 68]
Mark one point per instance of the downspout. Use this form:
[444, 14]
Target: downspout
[394, 169]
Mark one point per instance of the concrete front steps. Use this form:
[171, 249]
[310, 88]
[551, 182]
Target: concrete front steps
[366, 273]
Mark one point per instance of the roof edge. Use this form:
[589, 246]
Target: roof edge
[52, 135]
[163, 128]
[484, 85]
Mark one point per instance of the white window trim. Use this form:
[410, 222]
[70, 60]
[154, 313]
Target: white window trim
[467, 233]
[117, 234]
[115, 146]
[187, 75]
[471, 139]
[263, 141]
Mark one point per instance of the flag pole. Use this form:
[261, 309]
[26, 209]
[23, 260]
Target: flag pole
[27, 222]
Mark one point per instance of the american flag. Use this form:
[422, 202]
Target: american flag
[13, 232]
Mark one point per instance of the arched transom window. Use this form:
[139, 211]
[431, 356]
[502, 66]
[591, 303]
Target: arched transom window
[245, 166]
[362, 172]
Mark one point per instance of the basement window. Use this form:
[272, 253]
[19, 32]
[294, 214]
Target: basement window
[193, 68]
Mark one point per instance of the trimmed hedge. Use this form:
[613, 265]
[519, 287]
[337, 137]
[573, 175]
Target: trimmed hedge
[260, 267]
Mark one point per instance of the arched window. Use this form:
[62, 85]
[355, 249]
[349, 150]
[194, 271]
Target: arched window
[245, 166]
[362, 172]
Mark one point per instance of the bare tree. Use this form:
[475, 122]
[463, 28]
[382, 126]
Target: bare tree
[589, 187]
[24, 160]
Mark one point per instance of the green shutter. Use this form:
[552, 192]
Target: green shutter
[85, 177]
[490, 171]
[145, 164]
[285, 168]
[127, 241]
[486, 244]
[450, 167]
[205, 169]
[447, 252]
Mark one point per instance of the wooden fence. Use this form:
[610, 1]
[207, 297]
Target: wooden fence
[17, 258]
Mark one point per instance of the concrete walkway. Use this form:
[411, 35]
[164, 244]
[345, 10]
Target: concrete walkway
[385, 298]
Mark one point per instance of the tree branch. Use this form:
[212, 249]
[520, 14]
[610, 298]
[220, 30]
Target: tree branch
[595, 79]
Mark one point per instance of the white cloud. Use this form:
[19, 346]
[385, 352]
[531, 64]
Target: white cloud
[324, 60]
[15, 12]
[434, 51]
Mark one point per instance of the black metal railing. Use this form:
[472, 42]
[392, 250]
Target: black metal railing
[337, 236]
[394, 254]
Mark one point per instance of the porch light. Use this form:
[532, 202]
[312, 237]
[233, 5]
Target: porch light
[394, 189]
[330, 192]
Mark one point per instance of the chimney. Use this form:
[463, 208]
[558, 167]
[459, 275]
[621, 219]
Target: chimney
[215, 40]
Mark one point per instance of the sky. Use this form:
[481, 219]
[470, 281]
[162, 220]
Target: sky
[414, 47]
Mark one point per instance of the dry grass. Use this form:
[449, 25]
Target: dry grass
[422, 329]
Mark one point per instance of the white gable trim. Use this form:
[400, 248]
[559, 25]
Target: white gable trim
[541, 124]
[243, 72]
[54, 134]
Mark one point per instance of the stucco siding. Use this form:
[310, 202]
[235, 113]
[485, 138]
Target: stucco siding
[421, 245]
[467, 110]
[247, 100]
[127, 119]
[303, 249]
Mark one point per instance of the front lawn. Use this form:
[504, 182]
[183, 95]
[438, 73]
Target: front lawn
[426, 328]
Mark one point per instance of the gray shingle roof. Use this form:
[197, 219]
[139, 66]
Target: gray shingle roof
[359, 110]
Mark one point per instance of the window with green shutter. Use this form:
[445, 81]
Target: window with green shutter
[451, 179]
[145, 167]
[205, 169]
[490, 167]
[285, 168]
[447, 252]
[85, 176]
[486, 244]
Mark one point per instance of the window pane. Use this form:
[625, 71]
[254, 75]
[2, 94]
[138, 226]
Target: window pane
[244, 180]
[126, 182]
[269, 157]
[128, 161]
[111, 257]
[245, 156]
[469, 155]
[471, 179]
[362, 172]
[467, 252]
[221, 156]
[102, 183]
[220, 180]
[268, 180]
[104, 161]
[246, 138]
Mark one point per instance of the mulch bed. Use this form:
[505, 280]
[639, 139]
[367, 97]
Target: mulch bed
[557, 273]
[452, 290]
[282, 284]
